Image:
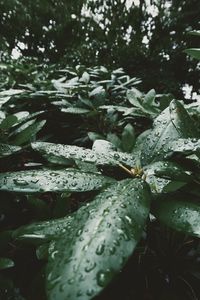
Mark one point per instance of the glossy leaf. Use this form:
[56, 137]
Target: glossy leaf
[128, 138]
[39, 181]
[163, 176]
[173, 123]
[194, 52]
[194, 32]
[65, 153]
[103, 146]
[6, 263]
[27, 134]
[149, 98]
[168, 170]
[8, 122]
[6, 150]
[184, 146]
[133, 96]
[85, 259]
[75, 110]
[180, 215]
[41, 232]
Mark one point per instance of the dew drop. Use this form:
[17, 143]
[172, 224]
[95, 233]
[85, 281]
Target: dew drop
[100, 249]
[90, 292]
[103, 277]
[90, 266]
[20, 182]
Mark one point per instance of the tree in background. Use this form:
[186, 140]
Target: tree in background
[146, 38]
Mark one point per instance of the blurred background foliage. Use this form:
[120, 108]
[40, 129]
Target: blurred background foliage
[144, 37]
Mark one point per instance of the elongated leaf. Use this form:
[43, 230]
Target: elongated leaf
[27, 134]
[194, 32]
[173, 123]
[6, 150]
[75, 110]
[194, 52]
[8, 122]
[39, 181]
[103, 146]
[132, 96]
[164, 176]
[150, 97]
[43, 231]
[180, 215]
[6, 263]
[184, 146]
[85, 259]
[128, 138]
[56, 153]
[168, 170]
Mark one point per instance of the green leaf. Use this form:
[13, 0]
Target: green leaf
[8, 122]
[56, 153]
[28, 133]
[194, 52]
[114, 139]
[169, 170]
[6, 150]
[128, 138]
[41, 232]
[103, 236]
[85, 78]
[132, 96]
[180, 215]
[93, 136]
[149, 98]
[173, 123]
[6, 263]
[75, 110]
[183, 146]
[103, 146]
[194, 32]
[39, 181]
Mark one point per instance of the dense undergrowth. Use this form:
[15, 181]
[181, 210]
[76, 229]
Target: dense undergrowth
[91, 170]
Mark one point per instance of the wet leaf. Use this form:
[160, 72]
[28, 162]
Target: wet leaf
[103, 235]
[180, 215]
[194, 52]
[6, 263]
[40, 181]
[6, 150]
[173, 123]
[65, 153]
[40, 232]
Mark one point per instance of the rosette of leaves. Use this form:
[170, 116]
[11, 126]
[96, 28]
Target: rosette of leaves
[87, 248]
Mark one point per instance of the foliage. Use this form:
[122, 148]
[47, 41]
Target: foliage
[95, 175]
[146, 38]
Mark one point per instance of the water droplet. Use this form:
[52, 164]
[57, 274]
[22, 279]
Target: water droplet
[81, 277]
[103, 277]
[34, 180]
[90, 266]
[90, 292]
[70, 280]
[128, 219]
[53, 254]
[20, 182]
[112, 250]
[116, 156]
[100, 249]
[79, 293]
[79, 232]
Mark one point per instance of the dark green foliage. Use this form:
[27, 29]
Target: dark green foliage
[88, 183]
[145, 38]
